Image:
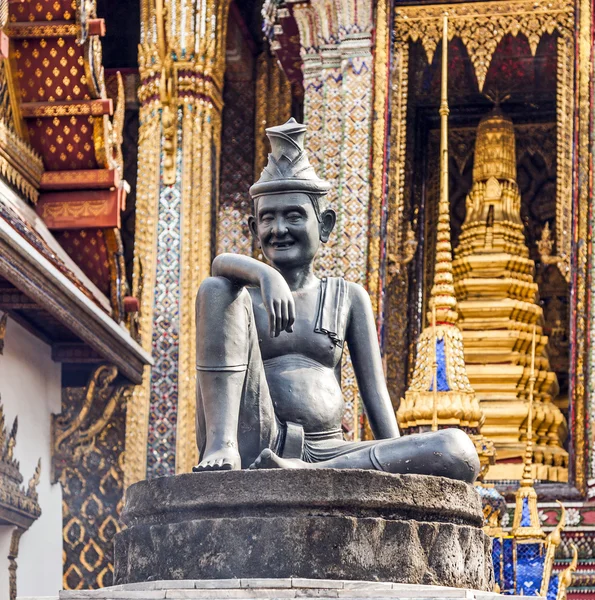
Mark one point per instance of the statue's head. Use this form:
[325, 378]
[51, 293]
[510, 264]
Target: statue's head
[291, 215]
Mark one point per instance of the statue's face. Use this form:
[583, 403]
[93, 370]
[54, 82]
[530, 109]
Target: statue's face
[287, 228]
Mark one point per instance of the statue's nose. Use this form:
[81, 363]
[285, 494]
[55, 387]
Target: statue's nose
[279, 228]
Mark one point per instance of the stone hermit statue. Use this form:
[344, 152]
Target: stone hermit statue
[270, 340]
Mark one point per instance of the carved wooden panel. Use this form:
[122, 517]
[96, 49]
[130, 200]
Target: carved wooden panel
[88, 463]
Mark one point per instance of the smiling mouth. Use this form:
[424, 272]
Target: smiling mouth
[282, 245]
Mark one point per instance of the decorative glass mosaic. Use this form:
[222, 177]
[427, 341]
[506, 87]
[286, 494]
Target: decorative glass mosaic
[161, 441]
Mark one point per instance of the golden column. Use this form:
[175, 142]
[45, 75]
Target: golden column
[498, 305]
[440, 393]
[181, 63]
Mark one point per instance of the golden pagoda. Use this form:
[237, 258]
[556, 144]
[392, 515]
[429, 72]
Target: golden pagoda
[498, 305]
[440, 393]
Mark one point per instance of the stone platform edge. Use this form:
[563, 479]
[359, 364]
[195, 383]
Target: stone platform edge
[271, 589]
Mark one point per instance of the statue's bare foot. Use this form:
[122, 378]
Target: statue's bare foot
[226, 459]
[269, 460]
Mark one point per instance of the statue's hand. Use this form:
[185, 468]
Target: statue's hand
[278, 301]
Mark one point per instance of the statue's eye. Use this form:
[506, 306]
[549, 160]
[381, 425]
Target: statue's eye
[266, 218]
[294, 217]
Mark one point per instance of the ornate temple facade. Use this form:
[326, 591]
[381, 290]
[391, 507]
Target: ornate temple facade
[130, 133]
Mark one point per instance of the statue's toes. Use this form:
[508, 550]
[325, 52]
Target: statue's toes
[266, 460]
[255, 464]
[224, 464]
[204, 466]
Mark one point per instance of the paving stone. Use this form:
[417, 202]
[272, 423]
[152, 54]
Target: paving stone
[266, 583]
[221, 584]
[174, 584]
[367, 585]
[314, 593]
[140, 586]
[230, 594]
[298, 582]
[109, 594]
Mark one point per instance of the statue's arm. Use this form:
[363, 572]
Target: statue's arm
[276, 295]
[239, 269]
[363, 345]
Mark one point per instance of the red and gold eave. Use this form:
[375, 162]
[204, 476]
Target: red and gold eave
[65, 112]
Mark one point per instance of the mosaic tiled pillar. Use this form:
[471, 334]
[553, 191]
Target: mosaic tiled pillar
[314, 107]
[332, 127]
[163, 403]
[202, 135]
[179, 145]
[147, 199]
[352, 221]
[307, 21]
[329, 263]
[338, 83]
[176, 225]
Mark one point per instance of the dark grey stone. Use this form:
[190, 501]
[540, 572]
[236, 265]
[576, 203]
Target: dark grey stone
[318, 524]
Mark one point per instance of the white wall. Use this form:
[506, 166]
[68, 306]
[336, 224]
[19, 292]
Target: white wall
[30, 388]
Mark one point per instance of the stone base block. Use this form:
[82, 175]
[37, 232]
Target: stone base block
[312, 524]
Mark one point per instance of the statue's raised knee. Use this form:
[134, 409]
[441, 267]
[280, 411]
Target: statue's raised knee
[213, 288]
[458, 455]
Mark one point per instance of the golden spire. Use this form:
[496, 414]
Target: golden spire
[443, 292]
[439, 392]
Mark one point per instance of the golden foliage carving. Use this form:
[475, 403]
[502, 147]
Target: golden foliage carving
[74, 435]
[482, 25]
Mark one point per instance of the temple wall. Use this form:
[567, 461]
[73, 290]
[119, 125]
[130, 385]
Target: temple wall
[30, 388]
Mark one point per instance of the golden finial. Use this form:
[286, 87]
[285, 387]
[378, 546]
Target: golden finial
[443, 292]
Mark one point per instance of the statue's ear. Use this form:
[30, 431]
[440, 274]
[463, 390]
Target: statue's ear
[252, 226]
[327, 223]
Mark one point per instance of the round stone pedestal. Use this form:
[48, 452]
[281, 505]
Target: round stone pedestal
[314, 524]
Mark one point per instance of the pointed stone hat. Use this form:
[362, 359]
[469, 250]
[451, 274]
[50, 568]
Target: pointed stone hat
[288, 169]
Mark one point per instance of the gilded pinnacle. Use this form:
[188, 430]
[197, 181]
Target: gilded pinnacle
[439, 393]
[443, 292]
